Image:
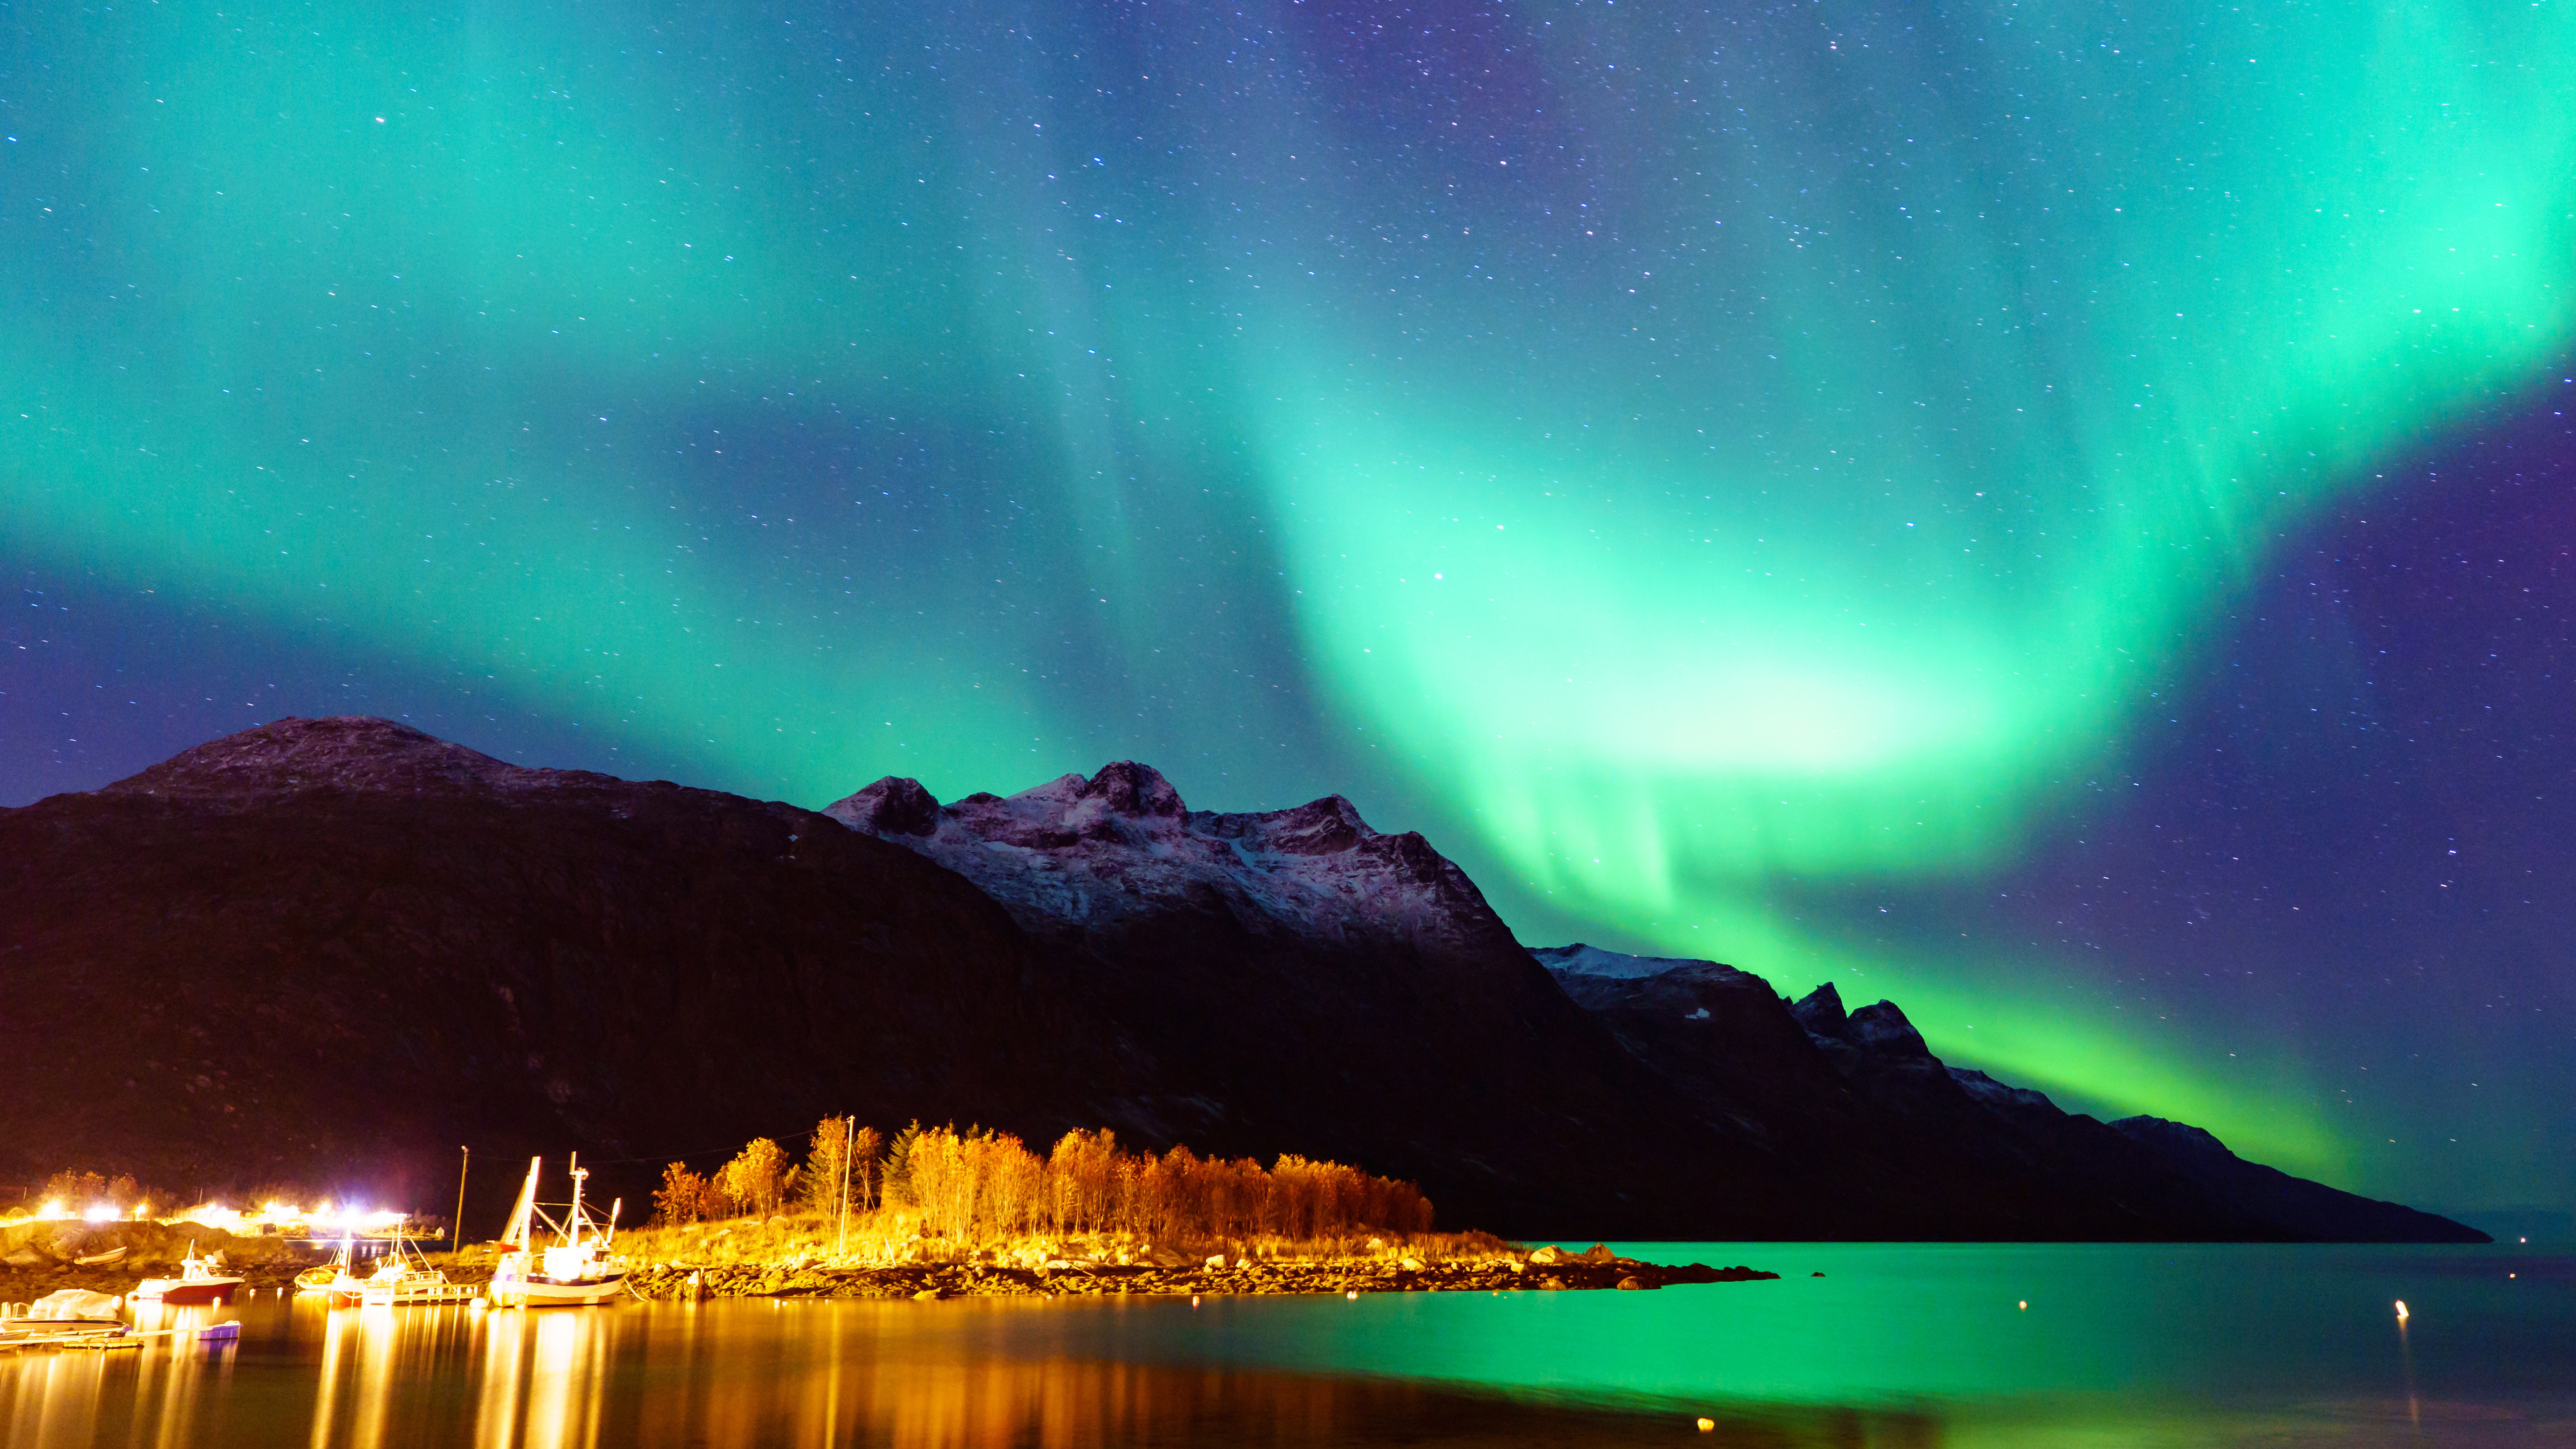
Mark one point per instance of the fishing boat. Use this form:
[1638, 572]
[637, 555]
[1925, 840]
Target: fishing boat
[327, 1277]
[575, 1268]
[200, 1280]
[403, 1279]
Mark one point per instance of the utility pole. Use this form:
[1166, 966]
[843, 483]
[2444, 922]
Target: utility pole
[456, 1227]
[849, 1139]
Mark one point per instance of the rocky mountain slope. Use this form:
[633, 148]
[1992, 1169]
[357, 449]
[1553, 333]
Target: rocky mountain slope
[1323, 986]
[326, 951]
[1970, 1155]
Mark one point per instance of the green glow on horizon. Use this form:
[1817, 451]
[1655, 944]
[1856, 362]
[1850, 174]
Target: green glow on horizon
[1791, 463]
[1998, 1016]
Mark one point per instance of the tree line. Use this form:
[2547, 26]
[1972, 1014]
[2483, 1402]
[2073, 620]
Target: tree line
[979, 1185]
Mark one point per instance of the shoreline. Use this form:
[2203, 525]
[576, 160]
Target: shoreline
[686, 1282]
[666, 1282]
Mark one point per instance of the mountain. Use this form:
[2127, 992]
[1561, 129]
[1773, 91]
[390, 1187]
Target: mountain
[324, 951]
[1329, 989]
[1969, 1155]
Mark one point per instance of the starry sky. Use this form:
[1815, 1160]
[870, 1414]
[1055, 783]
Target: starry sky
[2057, 512]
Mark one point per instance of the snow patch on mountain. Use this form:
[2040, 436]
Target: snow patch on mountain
[1582, 960]
[1094, 852]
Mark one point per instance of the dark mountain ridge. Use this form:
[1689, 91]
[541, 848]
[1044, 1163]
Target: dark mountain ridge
[325, 951]
[1975, 1156]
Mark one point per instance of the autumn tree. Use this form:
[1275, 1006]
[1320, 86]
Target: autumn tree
[974, 1185]
[1082, 1175]
[682, 1198]
[867, 1152]
[76, 1191]
[756, 1178]
[898, 1167]
[827, 1183]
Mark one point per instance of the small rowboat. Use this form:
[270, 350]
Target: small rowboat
[101, 1260]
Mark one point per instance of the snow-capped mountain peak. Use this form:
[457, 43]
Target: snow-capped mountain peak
[1084, 851]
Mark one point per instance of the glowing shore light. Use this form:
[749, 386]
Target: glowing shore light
[101, 1213]
[53, 1208]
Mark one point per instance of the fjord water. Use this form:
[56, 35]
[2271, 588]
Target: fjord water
[1905, 1344]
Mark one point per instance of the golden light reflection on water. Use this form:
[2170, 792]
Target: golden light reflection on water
[944, 1376]
[954, 1376]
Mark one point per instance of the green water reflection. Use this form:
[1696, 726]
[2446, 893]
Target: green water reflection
[1895, 1345]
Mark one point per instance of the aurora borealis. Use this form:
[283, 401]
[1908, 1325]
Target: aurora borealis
[1881, 493]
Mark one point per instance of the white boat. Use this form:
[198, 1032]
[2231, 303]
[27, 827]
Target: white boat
[332, 1277]
[401, 1278]
[60, 1317]
[575, 1268]
[404, 1279]
[200, 1280]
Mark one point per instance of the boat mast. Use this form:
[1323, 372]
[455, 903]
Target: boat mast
[572, 1224]
[518, 1231]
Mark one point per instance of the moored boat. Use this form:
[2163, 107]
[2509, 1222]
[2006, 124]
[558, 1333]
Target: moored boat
[200, 1280]
[575, 1269]
[333, 1277]
[403, 1278]
[60, 1317]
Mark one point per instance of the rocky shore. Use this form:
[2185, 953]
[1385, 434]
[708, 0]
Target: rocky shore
[40, 1257]
[706, 1269]
[1547, 1269]
[26, 1285]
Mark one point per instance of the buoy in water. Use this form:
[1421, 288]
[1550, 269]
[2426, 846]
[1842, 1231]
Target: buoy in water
[1706, 1425]
[2401, 1310]
[2025, 1305]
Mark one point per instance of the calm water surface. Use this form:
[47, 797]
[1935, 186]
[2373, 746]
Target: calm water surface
[1895, 1345]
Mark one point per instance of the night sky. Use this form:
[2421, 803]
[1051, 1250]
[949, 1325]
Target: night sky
[2057, 513]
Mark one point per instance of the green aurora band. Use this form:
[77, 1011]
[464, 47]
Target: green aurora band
[1700, 452]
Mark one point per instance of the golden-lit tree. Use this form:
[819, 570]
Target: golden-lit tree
[1082, 1175]
[682, 1198]
[897, 1173]
[756, 1178]
[77, 1191]
[867, 1165]
[976, 1185]
[830, 1177]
